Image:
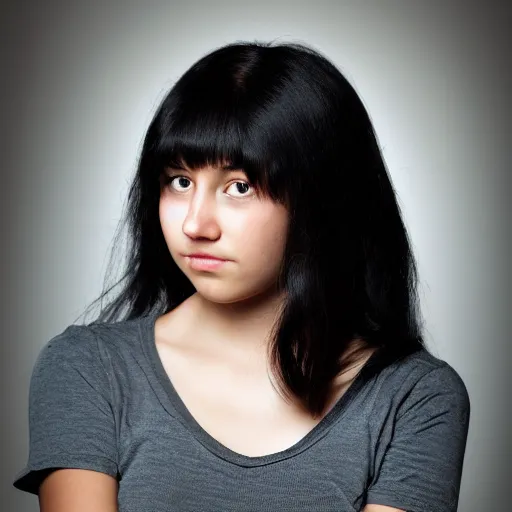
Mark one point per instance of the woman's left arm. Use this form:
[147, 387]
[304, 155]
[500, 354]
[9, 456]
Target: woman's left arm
[422, 465]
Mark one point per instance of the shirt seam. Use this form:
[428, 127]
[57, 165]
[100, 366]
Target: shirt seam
[59, 456]
[393, 496]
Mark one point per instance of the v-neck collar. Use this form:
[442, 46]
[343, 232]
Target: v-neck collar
[173, 404]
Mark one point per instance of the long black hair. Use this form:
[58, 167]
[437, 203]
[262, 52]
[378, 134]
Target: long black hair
[288, 117]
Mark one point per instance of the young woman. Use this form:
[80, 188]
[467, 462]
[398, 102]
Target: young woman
[265, 349]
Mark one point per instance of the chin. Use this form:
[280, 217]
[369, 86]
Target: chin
[223, 293]
[221, 296]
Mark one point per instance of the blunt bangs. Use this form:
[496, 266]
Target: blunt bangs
[223, 136]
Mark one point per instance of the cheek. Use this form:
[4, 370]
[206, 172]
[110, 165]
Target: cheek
[172, 216]
[263, 236]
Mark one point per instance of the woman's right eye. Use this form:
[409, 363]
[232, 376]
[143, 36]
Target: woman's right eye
[178, 183]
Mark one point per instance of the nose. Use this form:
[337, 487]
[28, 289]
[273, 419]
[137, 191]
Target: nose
[201, 221]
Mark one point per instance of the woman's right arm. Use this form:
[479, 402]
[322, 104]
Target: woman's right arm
[78, 490]
[73, 458]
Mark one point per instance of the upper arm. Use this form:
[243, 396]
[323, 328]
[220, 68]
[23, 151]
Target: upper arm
[72, 422]
[421, 467]
[78, 490]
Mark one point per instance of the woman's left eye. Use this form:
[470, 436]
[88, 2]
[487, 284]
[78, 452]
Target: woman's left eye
[241, 188]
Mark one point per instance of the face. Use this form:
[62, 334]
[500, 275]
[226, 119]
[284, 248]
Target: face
[218, 212]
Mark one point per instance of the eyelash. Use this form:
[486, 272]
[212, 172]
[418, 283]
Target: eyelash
[170, 179]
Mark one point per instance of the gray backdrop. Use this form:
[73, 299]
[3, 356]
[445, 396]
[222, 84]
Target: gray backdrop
[81, 80]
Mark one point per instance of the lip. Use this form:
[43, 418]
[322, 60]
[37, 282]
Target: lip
[204, 255]
[204, 263]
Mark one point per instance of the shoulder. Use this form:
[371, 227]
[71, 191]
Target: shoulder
[123, 334]
[433, 374]
[422, 378]
[74, 343]
[89, 345]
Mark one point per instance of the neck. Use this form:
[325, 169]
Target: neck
[240, 327]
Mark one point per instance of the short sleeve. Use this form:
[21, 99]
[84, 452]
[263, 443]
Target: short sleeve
[422, 466]
[71, 418]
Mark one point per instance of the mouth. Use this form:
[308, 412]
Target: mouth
[205, 256]
[204, 262]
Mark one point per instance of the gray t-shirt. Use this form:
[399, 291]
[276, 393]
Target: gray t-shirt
[100, 399]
